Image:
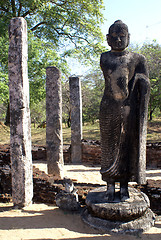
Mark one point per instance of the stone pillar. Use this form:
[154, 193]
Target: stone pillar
[54, 139]
[20, 129]
[76, 119]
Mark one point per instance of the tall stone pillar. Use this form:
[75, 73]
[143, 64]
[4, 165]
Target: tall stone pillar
[54, 139]
[20, 130]
[76, 119]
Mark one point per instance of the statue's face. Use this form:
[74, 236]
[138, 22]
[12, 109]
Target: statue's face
[118, 38]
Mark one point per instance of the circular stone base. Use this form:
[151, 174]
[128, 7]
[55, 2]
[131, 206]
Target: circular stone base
[131, 227]
[130, 209]
[132, 215]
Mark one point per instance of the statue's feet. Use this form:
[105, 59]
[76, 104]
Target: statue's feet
[110, 192]
[124, 193]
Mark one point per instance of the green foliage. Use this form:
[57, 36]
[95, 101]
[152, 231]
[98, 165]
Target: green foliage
[90, 131]
[59, 22]
[38, 111]
[92, 91]
[152, 52]
[92, 86]
[39, 59]
[4, 44]
[4, 89]
[57, 29]
[66, 111]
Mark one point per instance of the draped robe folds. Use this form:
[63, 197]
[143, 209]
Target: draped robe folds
[123, 116]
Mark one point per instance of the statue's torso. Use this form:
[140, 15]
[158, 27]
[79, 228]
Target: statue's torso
[118, 70]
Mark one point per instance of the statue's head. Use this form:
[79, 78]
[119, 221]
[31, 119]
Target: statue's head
[118, 36]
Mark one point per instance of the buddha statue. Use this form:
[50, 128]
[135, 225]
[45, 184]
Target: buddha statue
[123, 113]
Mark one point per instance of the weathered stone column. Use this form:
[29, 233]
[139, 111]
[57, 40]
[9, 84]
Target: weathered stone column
[76, 119]
[20, 131]
[54, 139]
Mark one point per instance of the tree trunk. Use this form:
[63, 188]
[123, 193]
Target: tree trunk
[151, 113]
[7, 120]
[69, 119]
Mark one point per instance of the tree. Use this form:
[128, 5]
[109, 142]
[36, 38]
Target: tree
[57, 29]
[59, 22]
[4, 98]
[92, 92]
[92, 86]
[152, 52]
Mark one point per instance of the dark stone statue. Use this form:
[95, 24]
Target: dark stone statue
[123, 113]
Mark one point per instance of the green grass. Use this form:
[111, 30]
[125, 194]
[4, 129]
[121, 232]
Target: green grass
[4, 134]
[90, 131]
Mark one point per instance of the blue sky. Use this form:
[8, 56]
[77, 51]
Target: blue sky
[143, 18]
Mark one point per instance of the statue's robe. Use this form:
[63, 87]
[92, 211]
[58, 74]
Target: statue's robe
[123, 117]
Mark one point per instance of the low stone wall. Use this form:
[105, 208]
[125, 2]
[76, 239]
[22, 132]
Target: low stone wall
[153, 155]
[91, 153]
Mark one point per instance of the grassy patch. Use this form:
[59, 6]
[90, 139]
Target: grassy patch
[4, 134]
[38, 135]
[90, 131]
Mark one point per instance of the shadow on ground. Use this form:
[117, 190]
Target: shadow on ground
[54, 218]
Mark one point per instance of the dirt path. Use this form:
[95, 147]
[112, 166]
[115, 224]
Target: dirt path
[40, 222]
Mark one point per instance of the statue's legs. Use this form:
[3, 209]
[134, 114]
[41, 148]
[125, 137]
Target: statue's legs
[110, 191]
[124, 193]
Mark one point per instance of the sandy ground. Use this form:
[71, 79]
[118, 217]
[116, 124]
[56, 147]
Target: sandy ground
[41, 221]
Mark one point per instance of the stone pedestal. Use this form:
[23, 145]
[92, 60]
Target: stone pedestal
[20, 131]
[130, 216]
[76, 119]
[54, 139]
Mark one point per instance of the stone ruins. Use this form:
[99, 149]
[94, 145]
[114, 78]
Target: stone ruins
[22, 185]
[123, 122]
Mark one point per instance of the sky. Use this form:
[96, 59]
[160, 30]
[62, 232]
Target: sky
[143, 18]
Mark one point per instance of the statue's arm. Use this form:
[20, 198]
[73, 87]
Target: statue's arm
[142, 67]
[142, 77]
[101, 61]
[104, 58]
